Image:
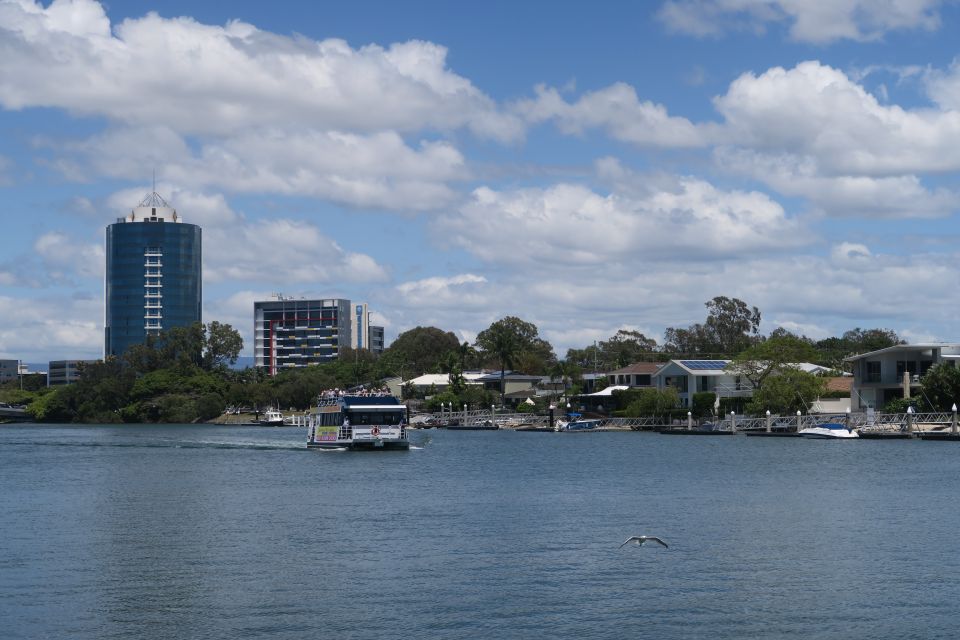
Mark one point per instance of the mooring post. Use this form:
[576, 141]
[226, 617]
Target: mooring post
[769, 420]
[552, 407]
[909, 419]
[798, 421]
[953, 424]
[733, 421]
[848, 418]
[464, 415]
[689, 421]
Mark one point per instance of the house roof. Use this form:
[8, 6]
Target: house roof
[904, 347]
[638, 367]
[509, 376]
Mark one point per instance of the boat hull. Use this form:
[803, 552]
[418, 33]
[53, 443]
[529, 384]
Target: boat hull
[364, 445]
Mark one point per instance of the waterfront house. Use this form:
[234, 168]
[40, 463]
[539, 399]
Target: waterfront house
[638, 375]
[696, 376]
[886, 374]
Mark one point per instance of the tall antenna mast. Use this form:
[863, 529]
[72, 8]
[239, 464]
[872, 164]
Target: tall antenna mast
[154, 179]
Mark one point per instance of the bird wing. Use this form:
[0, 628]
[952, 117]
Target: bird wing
[656, 539]
[629, 540]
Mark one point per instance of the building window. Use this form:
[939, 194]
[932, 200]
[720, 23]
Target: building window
[642, 380]
[873, 372]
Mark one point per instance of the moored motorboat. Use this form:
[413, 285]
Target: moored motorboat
[272, 418]
[575, 422]
[829, 431]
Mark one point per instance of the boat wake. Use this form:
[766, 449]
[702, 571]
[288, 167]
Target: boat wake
[206, 444]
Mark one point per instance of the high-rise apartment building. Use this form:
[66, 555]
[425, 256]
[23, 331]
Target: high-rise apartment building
[153, 275]
[288, 332]
[295, 333]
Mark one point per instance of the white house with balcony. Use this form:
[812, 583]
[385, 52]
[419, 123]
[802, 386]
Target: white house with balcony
[695, 376]
[886, 374]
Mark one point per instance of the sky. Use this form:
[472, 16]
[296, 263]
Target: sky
[585, 166]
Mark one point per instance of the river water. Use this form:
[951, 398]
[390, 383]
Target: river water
[239, 532]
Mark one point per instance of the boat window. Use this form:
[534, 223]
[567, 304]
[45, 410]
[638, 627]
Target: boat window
[375, 417]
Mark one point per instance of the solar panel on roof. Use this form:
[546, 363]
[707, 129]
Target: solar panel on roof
[714, 365]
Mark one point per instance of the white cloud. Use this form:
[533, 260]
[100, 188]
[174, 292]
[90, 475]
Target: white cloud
[204, 79]
[65, 258]
[617, 110]
[377, 170]
[51, 328]
[464, 290]
[568, 224]
[815, 21]
[279, 250]
[844, 195]
[816, 110]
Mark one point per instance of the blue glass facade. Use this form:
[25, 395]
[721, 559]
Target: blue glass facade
[153, 278]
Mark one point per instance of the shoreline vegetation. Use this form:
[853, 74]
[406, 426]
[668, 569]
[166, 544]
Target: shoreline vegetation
[183, 375]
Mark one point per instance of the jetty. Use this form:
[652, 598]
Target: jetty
[936, 426]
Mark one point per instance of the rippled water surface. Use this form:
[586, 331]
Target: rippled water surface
[239, 532]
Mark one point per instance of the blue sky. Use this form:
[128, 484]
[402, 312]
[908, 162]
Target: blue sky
[585, 166]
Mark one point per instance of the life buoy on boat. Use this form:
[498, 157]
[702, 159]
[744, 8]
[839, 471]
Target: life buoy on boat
[375, 431]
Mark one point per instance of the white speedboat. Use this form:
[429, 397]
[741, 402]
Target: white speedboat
[829, 431]
[272, 418]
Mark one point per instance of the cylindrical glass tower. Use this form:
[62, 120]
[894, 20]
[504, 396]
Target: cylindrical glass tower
[153, 275]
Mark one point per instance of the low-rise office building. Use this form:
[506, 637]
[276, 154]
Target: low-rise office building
[9, 370]
[63, 372]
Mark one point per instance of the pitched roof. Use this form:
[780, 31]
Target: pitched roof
[638, 367]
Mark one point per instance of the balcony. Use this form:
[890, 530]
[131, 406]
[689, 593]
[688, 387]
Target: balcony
[152, 274]
[153, 295]
[153, 252]
[153, 327]
[153, 263]
[153, 285]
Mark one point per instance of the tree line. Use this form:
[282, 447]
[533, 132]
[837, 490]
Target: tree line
[183, 374]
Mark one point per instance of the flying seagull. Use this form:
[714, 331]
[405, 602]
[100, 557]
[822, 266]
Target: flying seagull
[641, 539]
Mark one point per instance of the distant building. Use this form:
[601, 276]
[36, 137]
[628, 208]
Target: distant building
[362, 335]
[638, 374]
[291, 333]
[9, 370]
[886, 374]
[376, 339]
[153, 275]
[63, 372]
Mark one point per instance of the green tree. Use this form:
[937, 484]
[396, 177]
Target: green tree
[786, 392]
[731, 326]
[759, 361]
[418, 351]
[651, 402]
[626, 347]
[222, 345]
[510, 341]
[941, 387]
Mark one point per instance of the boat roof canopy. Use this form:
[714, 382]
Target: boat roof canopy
[375, 407]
